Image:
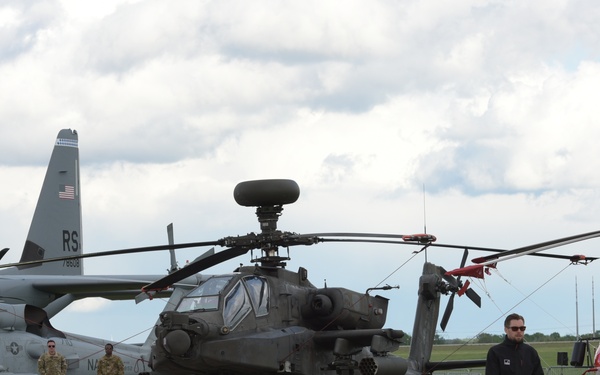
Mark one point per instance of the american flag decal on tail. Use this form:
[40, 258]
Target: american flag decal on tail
[66, 192]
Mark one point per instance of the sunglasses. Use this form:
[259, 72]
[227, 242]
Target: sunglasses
[515, 329]
[51, 346]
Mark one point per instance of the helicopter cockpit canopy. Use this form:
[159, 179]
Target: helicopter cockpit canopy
[206, 296]
[242, 295]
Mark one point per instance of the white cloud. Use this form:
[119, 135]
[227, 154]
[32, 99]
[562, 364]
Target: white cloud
[487, 105]
[87, 305]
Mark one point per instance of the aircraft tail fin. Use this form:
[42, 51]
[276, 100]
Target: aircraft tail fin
[56, 226]
[428, 308]
[431, 285]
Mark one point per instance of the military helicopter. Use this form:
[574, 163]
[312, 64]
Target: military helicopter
[266, 319]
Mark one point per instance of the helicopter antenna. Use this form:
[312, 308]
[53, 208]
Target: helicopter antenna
[424, 219]
[424, 212]
[593, 309]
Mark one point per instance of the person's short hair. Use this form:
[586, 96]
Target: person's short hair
[109, 344]
[49, 341]
[513, 316]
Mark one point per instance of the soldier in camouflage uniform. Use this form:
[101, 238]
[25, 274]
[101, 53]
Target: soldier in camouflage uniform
[110, 364]
[52, 363]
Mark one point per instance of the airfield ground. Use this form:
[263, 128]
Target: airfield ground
[547, 351]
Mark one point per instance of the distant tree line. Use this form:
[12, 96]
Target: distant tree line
[486, 338]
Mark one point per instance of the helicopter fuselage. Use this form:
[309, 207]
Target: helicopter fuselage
[264, 320]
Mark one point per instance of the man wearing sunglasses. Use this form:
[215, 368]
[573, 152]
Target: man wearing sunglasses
[52, 363]
[513, 356]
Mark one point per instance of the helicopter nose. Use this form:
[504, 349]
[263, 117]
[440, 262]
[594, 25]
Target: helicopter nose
[177, 342]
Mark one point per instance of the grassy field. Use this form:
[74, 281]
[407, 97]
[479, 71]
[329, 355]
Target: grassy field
[547, 351]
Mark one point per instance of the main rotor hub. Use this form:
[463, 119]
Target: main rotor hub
[267, 217]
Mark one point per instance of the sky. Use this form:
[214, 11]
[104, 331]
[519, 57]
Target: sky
[475, 121]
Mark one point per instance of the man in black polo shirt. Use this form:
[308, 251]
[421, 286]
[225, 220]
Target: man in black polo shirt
[512, 356]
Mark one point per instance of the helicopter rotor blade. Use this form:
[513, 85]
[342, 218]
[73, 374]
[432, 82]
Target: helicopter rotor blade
[473, 296]
[313, 238]
[456, 284]
[532, 249]
[196, 266]
[351, 234]
[464, 258]
[115, 252]
[447, 312]
[450, 246]
[3, 252]
[171, 239]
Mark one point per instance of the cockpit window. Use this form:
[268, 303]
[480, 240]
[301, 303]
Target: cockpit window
[237, 306]
[206, 296]
[259, 294]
